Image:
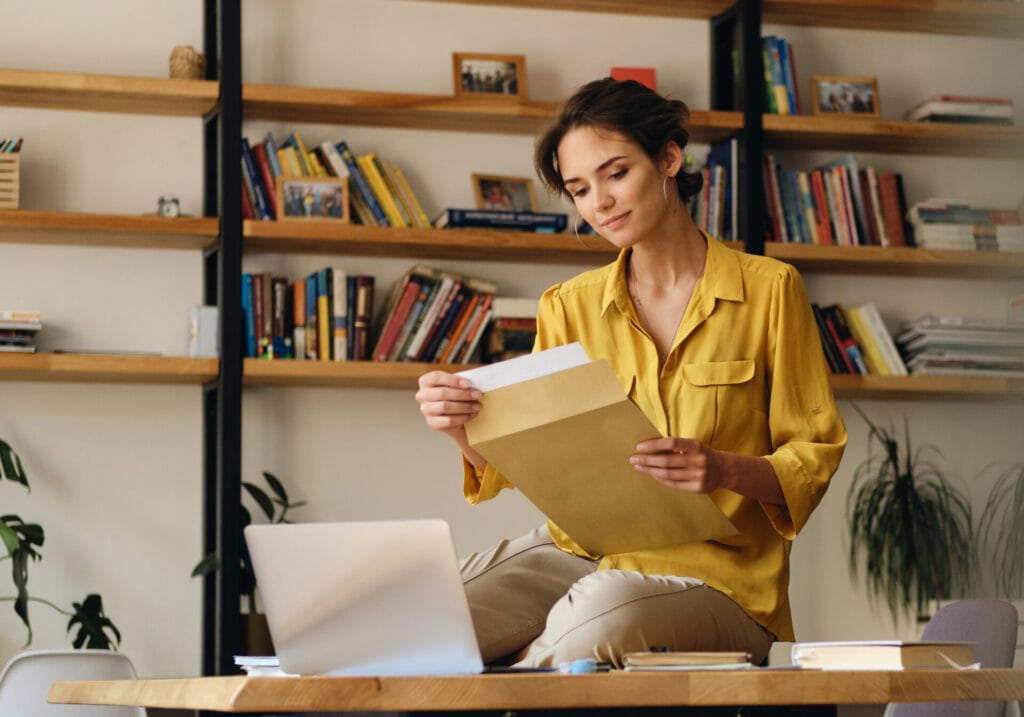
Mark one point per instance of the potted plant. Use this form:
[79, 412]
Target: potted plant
[22, 541]
[1001, 530]
[910, 527]
[274, 506]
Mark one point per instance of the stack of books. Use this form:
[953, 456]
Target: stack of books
[379, 193]
[962, 109]
[956, 345]
[714, 208]
[840, 203]
[949, 224]
[434, 316]
[325, 317]
[782, 92]
[18, 331]
[856, 340]
[512, 330]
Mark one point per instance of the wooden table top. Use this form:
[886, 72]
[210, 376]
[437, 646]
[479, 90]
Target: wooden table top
[548, 690]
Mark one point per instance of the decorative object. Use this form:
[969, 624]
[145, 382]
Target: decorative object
[1001, 531]
[508, 194]
[491, 75]
[21, 541]
[187, 63]
[909, 526]
[168, 207]
[307, 199]
[835, 95]
[646, 76]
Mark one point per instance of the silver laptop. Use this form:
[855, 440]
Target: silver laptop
[364, 598]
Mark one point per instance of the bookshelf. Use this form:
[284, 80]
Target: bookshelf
[94, 368]
[107, 230]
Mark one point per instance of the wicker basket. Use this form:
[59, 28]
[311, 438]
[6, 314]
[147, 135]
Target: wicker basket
[187, 63]
[10, 163]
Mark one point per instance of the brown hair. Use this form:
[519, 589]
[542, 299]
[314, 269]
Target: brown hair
[625, 106]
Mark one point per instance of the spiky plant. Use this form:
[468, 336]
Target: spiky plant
[910, 527]
[1001, 531]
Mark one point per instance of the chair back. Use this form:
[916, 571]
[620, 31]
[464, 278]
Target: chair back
[27, 677]
[990, 623]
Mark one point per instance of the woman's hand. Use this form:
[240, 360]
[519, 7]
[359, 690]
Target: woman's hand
[687, 464]
[682, 463]
[447, 402]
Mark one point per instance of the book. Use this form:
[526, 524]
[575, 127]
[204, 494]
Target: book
[403, 296]
[362, 186]
[884, 655]
[522, 221]
[873, 358]
[658, 660]
[369, 169]
[298, 290]
[407, 196]
[362, 313]
[851, 353]
[833, 356]
[968, 108]
[339, 314]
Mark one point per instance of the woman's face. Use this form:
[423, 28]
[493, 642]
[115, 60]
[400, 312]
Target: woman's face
[615, 186]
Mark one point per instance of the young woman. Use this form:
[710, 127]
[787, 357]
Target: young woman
[720, 350]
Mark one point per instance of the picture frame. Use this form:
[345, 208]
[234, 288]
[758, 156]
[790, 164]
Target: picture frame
[839, 95]
[489, 75]
[507, 194]
[312, 199]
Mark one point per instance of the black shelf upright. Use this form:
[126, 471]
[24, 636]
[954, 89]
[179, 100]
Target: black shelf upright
[222, 399]
[737, 84]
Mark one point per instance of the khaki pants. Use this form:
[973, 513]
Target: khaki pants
[527, 593]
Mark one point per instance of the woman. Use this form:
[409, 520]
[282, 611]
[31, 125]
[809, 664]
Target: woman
[720, 350]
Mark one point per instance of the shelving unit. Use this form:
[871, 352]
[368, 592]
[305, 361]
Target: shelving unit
[108, 230]
[103, 368]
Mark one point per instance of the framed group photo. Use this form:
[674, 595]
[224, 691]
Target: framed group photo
[504, 194]
[838, 95]
[485, 74]
[306, 198]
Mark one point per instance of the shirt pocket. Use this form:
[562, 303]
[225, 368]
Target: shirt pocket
[724, 393]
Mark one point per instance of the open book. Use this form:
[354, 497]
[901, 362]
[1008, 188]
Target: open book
[561, 429]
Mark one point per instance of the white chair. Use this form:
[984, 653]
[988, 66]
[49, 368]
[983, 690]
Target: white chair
[27, 677]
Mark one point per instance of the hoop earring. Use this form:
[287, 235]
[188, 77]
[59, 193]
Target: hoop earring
[672, 207]
[576, 231]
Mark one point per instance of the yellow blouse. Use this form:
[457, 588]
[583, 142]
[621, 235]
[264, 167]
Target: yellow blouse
[746, 374]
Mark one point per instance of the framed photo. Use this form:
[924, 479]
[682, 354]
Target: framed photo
[845, 96]
[312, 198]
[507, 194]
[485, 74]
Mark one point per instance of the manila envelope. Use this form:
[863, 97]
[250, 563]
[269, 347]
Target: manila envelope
[565, 440]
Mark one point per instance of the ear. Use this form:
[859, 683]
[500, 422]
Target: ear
[671, 160]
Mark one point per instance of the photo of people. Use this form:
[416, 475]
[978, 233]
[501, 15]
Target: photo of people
[486, 74]
[312, 200]
[846, 95]
[506, 194]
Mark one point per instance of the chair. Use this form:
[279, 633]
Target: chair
[990, 623]
[26, 679]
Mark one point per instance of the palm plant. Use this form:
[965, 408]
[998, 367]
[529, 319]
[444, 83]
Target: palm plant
[22, 542]
[909, 526]
[1001, 530]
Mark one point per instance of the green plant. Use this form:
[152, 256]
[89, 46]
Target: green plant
[275, 508]
[909, 526]
[22, 542]
[1001, 530]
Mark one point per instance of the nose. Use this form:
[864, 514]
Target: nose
[603, 199]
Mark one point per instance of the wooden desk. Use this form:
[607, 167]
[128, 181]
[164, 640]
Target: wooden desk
[547, 690]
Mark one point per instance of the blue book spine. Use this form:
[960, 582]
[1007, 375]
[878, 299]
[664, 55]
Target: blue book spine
[362, 185]
[538, 221]
[270, 144]
[248, 316]
[311, 320]
[787, 73]
[255, 181]
[350, 318]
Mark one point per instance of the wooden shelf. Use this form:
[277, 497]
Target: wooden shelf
[371, 374]
[988, 18]
[107, 93]
[433, 112]
[893, 137]
[114, 230]
[899, 261]
[697, 9]
[90, 368]
[353, 239]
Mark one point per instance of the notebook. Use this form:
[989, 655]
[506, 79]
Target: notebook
[364, 598]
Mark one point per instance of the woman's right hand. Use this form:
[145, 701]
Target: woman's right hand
[447, 402]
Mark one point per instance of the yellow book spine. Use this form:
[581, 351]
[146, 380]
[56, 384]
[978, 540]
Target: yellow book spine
[318, 169]
[416, 207]
[286, 165]
[872, 353]
[377, 184]
[323, 329]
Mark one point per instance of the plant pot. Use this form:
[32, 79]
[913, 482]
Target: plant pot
[257, 635]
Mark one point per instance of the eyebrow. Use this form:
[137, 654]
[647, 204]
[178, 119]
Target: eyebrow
[603, 165]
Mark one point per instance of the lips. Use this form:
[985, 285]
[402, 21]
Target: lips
[615, 222]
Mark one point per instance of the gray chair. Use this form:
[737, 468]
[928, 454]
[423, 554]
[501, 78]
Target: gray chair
[990, 623]
[26, 679]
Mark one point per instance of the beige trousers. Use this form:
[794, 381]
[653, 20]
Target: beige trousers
[531, 600]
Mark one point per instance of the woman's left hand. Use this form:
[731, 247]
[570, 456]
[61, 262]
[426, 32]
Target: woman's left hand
[681, 463]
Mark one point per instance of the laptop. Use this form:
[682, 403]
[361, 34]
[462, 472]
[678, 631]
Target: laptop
[364, 598]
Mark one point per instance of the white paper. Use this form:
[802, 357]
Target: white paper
[524, 368]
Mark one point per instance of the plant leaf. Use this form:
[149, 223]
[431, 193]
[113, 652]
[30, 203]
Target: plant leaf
[276, 486]
[10, 465]
[93, 625]
[261, 498]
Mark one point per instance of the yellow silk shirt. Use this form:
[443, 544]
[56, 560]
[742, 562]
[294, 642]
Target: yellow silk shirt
[745, 374]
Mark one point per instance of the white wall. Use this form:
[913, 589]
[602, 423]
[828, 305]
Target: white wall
[116, 471]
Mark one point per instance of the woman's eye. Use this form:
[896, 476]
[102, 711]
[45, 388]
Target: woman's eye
[619, 174]
[576, 193]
